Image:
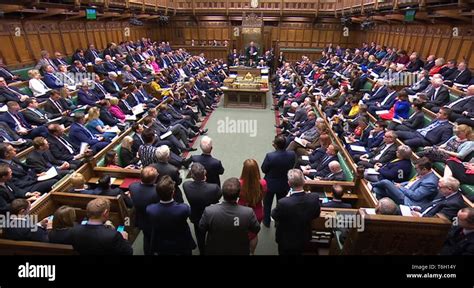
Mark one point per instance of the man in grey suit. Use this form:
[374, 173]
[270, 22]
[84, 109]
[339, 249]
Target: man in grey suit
[227, 224]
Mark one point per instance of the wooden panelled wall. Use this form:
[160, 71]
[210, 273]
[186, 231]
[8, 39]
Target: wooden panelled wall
[22, 42]
[427, 39]
[297, 35]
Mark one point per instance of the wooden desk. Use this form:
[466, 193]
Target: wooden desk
[242, 71]
[245, 98]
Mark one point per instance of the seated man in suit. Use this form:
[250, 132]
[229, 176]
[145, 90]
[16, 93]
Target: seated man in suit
[378, 93]
[337, 174]
[86, 95]
[439, 131]
[79, 133]
[168, 222]
[419, 191]
[336, 202]
[8, 93]
[22, 228]
[385, 103]
[53, 80]
[22, 177]
[460, 240]
[6, 74]
[200, 195]
[17, 122]
[213, 166]
[320, 168]
[7, 135]
[111, 84]
[110, 65]
[143, 193]
[63, 149]
[223, 236]
[382, 154]
[439, 96]
[57, 106]
[95, 238]
[293, 215]
[397, 170]
[448, 202]
[463, 108]
[99, 67]
[9, 192]
[421, 84]
[41, 159]
[462, 75]
[78, 183]
[414, 122]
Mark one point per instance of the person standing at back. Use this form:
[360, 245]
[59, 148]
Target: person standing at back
[252, 191]
[275, 166]
[227, 224]
[293, 215]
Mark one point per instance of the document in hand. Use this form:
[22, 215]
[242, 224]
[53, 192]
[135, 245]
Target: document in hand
[381, 112]
[83, 148]
[163, 136]
[130, 117]
[138, 109]
[371, 171]
[358, 148]
[51, 173]
[300, 141]
[405, 210]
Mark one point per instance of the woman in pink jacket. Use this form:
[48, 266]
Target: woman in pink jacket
[115, 110]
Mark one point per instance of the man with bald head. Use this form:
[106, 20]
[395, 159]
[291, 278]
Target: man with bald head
[213, 166]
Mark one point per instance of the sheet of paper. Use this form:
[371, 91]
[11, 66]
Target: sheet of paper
[113, 129]
[290, 114]
[305, 158]
[396, 120]
[4, 108]
[130, 117]
[83, 148]
[163, 136]
[51, 173]
[381, 112]
[137, 109]
[371, 171]
[358, 148]
[370, 211]
[406, 211]
[299, 141]
[54, 119]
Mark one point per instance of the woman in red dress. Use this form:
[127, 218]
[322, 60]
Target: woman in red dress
[252, 191]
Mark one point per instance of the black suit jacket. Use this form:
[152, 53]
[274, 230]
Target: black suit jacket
[53, 110]
[99, 240]
[441, 98]
[110, 87]
[173, 172]
[387, 156]
[213, 167]
[293, 216]
[446, 206]
[199, 196]
[336, 204]
[440, 134]
[34, 118]
[41, 161]
[59, 151]
[142, 196]
[456, 244]
[416, 121]
[8, 193]
[107, 117]
[22, 177]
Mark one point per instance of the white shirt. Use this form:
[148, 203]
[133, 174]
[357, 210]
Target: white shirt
[377, 157]
[38, 87]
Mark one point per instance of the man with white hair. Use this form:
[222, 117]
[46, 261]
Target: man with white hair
[337, 174]
[164, 168]
[99, 67]
[213, 166]
[437, 97]
[111, 84]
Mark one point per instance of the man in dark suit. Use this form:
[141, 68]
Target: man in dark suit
[252, 52]
[448, 202]
[57, 106]
[439, 96]
[8, 93]
[415, 64]
[91, 54]
[320, 168]
[200, 195]
[378, 93]
[62, 148]
[7, 74]
[460, 240]
[439, 131]
[275, 166]
[213, 166]
[87, 96]
[9, 192]
[52, 80]
[462, 75]
[19, 229]
[293, 215]
[227, 224]
[165, 168]
[111, 84]
[430, 62]
[79, 133]
[382, 154]
[95, 238]
[421, 84]
[41, 159]
[336, 172]
[99, 67]
[17, 122]
[414, 122]
[143, 194]
[336, 202]
[170, 233]
[22, 177]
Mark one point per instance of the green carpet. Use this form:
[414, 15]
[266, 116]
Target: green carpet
[238, 134]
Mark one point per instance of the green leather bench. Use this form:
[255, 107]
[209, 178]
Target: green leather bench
[345, 168]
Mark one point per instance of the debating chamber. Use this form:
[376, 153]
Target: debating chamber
[275, 127]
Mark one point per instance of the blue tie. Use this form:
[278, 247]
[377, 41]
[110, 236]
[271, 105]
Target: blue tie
[424, 131]
[116, 86]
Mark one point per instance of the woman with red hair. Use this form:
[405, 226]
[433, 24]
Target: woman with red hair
[252, 191]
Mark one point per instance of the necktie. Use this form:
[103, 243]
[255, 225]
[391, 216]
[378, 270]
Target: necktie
[100, 87]
[116, 86]
[88, 132]
[37, 112]
[66, 144]
[5, 135]
[126, 104]
[14, 92]
[424, 131]
[11, 75]
[58, 106]
[143, 95]
[136, 98]
[95, 54]
[18, 120]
